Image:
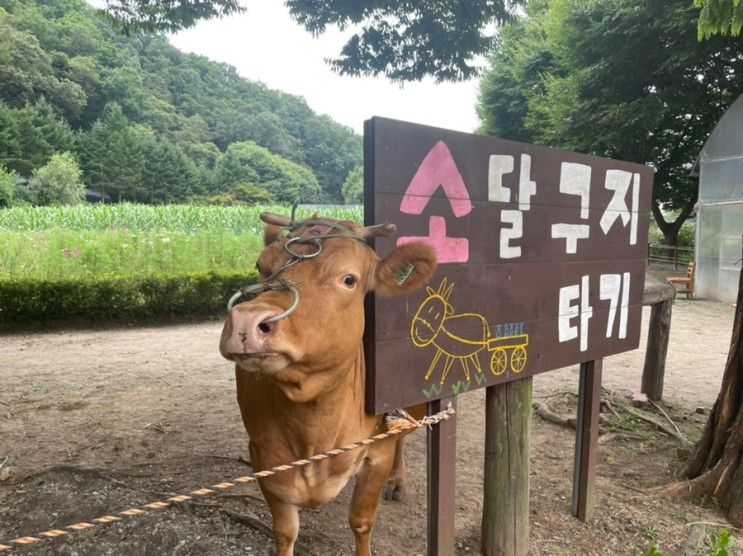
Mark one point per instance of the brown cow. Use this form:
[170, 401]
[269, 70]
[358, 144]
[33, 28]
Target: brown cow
[300, 366]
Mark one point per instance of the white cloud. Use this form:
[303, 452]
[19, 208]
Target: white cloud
[266, 45]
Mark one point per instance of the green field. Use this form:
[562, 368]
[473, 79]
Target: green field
[126, 240]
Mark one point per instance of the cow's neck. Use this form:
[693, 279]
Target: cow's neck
[324, 387]
[313, 412]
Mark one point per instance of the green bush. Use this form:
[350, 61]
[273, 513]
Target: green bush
[7, 187]
[686, 235]
[119, 299]
[353, 187]
[58, 182]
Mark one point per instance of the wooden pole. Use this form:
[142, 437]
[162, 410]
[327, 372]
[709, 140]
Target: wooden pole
[659, 330]
[586, 439]
[505, 518]
[661, 298]
[442, 453]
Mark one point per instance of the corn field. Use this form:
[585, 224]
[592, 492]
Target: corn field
[189, 219]
[94, 242]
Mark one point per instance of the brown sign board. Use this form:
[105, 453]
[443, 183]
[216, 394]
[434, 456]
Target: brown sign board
[541, 260]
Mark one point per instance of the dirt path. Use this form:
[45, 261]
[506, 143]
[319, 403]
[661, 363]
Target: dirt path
[152, 411]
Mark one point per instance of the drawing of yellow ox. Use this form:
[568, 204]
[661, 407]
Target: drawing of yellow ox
[432, 326]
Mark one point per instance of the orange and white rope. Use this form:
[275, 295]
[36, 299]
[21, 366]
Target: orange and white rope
[397, 423]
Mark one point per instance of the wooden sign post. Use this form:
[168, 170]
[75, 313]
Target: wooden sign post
[541, 259]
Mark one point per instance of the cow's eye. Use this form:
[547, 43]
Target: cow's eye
[349, 280]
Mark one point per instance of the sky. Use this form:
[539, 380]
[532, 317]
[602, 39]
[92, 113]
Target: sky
[266, 45]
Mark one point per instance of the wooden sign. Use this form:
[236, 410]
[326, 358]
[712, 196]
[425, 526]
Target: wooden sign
[541, 260]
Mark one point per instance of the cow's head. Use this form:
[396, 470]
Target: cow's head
[324, 330]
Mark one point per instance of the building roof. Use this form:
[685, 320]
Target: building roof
[726, 140]
[720, 163]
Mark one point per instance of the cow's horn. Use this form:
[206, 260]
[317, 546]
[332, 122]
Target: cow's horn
[380, 230]
[275, 219]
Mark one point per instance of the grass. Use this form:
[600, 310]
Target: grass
[60, 253]
[126, 240]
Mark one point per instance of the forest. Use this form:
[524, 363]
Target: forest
[84, 106]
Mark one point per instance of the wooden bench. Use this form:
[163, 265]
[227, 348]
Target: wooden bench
[687, 281]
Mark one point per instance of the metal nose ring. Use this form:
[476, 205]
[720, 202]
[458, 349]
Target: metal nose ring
[290, 310]
[295, 302]
[312, 241]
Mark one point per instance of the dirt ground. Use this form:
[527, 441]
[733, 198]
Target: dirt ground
[94, 421]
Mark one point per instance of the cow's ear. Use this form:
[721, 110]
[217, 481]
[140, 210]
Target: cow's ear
[404, 270]
[275, 224]
[273, 233]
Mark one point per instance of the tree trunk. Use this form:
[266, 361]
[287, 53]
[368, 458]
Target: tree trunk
[505, 513]
[671, 230]
[715, 467]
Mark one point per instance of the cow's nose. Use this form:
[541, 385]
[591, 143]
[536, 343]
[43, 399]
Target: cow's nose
[266, 327]
[250, 330]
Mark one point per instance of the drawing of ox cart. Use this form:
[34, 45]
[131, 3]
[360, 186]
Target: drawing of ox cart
[460, 337]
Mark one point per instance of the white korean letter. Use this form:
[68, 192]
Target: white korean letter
[527, 187]
[575, 179]
[586, 312]
[498, 166]
[568, 311]
[515, 218]
[615, 287]
[571, 233]
[619, 181]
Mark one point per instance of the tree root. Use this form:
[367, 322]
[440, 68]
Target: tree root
[683, 439]
[545, 412]
[695, 487]
[612, 436]
[658, 424]
[714, 524]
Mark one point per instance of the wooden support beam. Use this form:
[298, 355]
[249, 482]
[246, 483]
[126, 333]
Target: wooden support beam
[659, 331]
[442, 455]
[505, 518]
[586, 439]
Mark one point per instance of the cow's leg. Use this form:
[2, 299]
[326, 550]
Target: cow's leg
[395, 486]
[366, 494]
[285, 524]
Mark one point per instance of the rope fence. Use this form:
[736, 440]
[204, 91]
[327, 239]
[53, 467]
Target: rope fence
[397, 423]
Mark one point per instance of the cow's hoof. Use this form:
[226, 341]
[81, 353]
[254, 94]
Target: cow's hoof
[394, 489]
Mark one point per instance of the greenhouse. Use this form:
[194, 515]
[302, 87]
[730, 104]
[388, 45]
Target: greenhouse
[719, 234]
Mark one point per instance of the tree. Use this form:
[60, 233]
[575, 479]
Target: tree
[113, 156]
[585, 88]
[168, 176]
[27, 73]
[250, 194]
[58, 182]
[40, 133]
[241, 194]
[404, 40]
[7, 187]
[522, 59]
[167, 15]
[353, 187]
[715, 467]
[49, 49]
[719, 17]
[284, 180]
[332, 151]
[10, 141]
